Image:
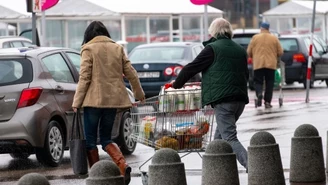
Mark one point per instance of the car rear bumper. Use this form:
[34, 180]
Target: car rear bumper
[295, 72]
[24, 130]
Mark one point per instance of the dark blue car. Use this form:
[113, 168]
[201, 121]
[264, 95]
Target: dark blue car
[160, 63]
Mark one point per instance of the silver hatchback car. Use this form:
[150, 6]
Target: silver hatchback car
[37, 86]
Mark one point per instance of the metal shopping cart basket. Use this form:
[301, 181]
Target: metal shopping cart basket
[175, 119]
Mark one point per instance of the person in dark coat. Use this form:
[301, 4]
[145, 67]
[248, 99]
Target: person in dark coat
[223, 64]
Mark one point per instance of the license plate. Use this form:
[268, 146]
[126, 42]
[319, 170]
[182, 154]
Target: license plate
[148, 74]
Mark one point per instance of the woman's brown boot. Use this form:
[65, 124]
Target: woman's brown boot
[93, 156]
[114, 151]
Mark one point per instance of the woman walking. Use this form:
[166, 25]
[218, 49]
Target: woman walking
[101, 91]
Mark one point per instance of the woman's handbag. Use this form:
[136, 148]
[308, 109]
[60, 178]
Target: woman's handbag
[77, 146]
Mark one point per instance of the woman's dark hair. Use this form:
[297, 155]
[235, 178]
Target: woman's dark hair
[96, 28]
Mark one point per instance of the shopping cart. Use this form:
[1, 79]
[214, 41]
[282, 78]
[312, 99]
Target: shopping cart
[174, 119]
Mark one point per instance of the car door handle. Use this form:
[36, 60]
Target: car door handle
[59, 89]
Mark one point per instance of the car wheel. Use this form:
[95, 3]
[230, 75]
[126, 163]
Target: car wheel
[52, 152]
[125, 140]
[20, 155]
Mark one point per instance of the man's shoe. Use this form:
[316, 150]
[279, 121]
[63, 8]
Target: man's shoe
[267, 105]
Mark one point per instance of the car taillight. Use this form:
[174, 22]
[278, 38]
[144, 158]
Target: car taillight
[299, 57]
[29, 97]
[172, 71]
[249, 60]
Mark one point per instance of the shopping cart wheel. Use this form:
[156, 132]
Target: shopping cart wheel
[144, 178]
[256, 102]
[280, 102]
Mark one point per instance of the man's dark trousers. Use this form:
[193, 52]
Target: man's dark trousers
[267, 75]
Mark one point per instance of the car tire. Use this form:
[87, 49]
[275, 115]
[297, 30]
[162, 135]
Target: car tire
[52, 152]
[19, 155]
[125, 140]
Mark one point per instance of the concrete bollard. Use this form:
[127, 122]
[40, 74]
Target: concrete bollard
[33, 179]
[264, 160]
[105, 172]
[307, 162]
[219, 164]
[166, 168]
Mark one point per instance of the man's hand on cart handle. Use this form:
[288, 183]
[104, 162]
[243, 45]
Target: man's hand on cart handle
[168, 85]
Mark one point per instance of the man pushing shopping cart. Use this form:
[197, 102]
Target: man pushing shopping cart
[223, 64]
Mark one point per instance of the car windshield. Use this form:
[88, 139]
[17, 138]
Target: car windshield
[289, 44]
[157, 54]
[243, 39]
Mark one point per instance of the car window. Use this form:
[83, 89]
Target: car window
[289, 44]
[58, 68]
[6, 45]
[321, 41]
[17, 44]
[76, 60]
[15, 71]
[157, 54]
[319, 48]
[25, 43]
[243, 39]
[196, 51]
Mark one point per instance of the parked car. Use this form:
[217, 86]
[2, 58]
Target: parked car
[295, 57]
[160, 63]
[37, 86]
[14, 42]
[244, 37]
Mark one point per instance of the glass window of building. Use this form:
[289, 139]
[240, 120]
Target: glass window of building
[136, 33]
[303, 25]
[76, 33]
[114, 29]
[55, 33]
[285, 26]
[24, 26]
[159, 29]
[318, 27]
[191, 29]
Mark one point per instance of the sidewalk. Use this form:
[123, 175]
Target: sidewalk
[280, 122]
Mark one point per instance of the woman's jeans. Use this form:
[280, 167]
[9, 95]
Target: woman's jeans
[227, 114]
[102, 118]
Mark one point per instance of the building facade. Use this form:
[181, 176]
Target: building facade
[242, 13]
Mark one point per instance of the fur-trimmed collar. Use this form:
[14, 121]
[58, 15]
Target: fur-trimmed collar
[99, 39]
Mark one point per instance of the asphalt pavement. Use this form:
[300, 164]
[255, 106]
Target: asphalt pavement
[281, 122]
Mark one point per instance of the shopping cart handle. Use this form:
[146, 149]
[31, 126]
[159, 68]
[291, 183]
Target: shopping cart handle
[166, 86]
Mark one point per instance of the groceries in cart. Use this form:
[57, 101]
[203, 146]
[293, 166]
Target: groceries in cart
[179, 123]
[184, 99]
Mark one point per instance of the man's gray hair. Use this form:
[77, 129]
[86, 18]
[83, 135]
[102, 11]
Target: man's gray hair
[220, 27]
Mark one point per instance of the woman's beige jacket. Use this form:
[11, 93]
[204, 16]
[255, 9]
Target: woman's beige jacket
[101, 84]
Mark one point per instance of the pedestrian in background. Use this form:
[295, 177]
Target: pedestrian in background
[265, 50]
[101, 92]
[223, 64]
